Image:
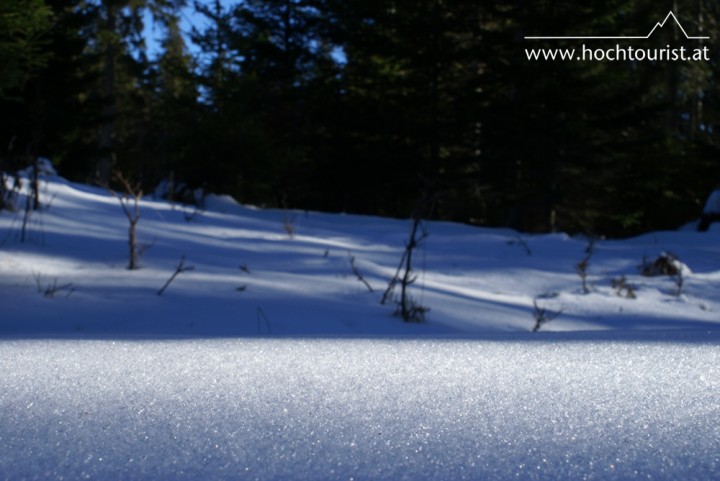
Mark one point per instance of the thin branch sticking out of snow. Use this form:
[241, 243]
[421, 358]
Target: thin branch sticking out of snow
[357, 272]
[543, 316]
[181, 267]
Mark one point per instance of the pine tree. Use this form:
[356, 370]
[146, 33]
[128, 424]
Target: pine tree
[23, 27]
[265, 66]
[174, 107]
[410, 84]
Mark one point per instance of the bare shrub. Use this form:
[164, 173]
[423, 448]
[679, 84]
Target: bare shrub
[409, 309]
[130, 203]
[582, 267]
[51, 289]
[542, 316]
[623, 288]
[666, 264]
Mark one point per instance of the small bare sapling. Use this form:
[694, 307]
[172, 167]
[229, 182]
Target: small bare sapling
[26, 218]
[130, 203]
[289, 224]
[582, 267]
[288, 218]
[409, 309]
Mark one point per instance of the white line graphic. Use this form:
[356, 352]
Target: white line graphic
[657, 25]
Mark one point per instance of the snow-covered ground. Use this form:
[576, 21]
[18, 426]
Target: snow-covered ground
[271, 360]
[251, 278]
[548, 409]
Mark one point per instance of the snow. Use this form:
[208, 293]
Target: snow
[271, 360]
[473, 280]
[360, 409]
[712, 206]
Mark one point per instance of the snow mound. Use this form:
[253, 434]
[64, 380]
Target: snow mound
[45, 168]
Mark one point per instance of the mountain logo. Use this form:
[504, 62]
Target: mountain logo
[657, 26]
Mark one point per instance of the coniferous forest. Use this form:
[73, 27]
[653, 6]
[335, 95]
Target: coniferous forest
[367, 106]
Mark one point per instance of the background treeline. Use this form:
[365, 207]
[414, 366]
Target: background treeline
[360, 105]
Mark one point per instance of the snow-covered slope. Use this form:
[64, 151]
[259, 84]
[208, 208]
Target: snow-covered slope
[317, 380]
[251, 277]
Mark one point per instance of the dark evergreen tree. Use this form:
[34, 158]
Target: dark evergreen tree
[45, 115]
[590, 146]
[410, 93]
[265, 64]
[173, 114]
[24, 25]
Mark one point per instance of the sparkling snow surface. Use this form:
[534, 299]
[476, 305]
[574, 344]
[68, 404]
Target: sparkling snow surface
[550, 406]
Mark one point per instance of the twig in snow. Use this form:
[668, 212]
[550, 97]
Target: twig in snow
[189, 215]
[581, 269]
[181, 267]
[523, 243]
[288, 219]
[357, 272]
[679, 282]
[26, 218]
[262, 317]
[50, 290]
[623, 288]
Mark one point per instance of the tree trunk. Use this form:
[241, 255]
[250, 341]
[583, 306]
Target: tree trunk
[132, 265]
